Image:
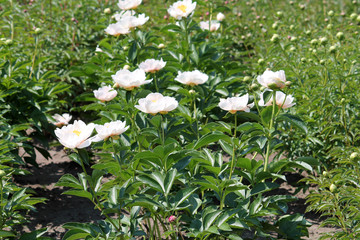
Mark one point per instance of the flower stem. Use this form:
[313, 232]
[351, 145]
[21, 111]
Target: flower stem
[269, 137]
[233, 153]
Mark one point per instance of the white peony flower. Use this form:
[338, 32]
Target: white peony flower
[152, 65]
[182, 9]
[192, 78]
[129, 4]
[272, 80]
[117, 29]
[75, 135]
[282, 100]
[214, 25]
[156, 103]
[106, 93]
[130, 80]
[133, 21]
[235, 104]
[62, 119]
[220, 17]
[122, 14]
[111, 129]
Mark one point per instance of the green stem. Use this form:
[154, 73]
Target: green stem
[269, 137]
[233, 155]
[1, 201]
[95, 200]
[34, 56]
[155, 83]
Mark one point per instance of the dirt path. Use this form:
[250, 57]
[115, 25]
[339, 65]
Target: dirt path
[61, 209]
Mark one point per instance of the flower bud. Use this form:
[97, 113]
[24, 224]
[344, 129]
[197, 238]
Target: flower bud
[354, 156]
[340, 35]
[314, 42]
[303, 60]
[287, 83]
[308, 32]
[310, 60]
[107, 11]
[38, 30]
[2, 173]
[353, 62]
[279, 14]
[329, 26]
[161, 46]
[127, 67]
[325, 173]
[322, 61]
[172, 218]
[192, 91]
[292, 49]
[331, 13]
[125, 48]
[254, 87]
[323, 40]
[8, 42]
[293, 39]
[292, 27]
[302, 6]
[358, 19]
[275, 38]
[275, 26]
[353, 16]
[261, 61]
[333, 188]
[332, 49]
[247, 79]
[314, 51]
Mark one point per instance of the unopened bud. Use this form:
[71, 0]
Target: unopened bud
[340, 35]
[332, 49]
[329, 26]
[314, 42]
[161, 46]
[331, 13]
[38, 30]
[275, 38]
[125, 48]
[287, 83]
[333, 188]
[323, 40]
[2, 173]
[279, 14]
[261, 61]
[247, 79]
[322, 61]
[303, 60]
[8, 42]
[107, 10]
[292, 27]
[192, 91]
[126, 67]
[275, 26]
[353, 16]
[325, 173]
[254, 86]
[292, 49]
[354, 156]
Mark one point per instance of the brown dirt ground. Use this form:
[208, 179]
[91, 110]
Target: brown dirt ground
[60, 209]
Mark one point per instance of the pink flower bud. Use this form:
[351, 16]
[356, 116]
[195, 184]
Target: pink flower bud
[172, 218]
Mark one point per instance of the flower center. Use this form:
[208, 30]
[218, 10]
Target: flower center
[182, 8]
[77, 132]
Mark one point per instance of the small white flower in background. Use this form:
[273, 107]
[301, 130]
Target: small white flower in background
[62, 119]
[192, 78]
[118, 16]
[272, 80]
[234, 104]
[181, 9]
[130, 80]
[75, 135]
[117, 29]
[156, 103]
[152, 65]
[214, 25]
[282, 100]
[129, 4]
[132, 21]
[106, 93]
[220, 17]
[98, 49]
[111, 129]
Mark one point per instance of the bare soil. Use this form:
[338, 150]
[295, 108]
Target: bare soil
[60, 209]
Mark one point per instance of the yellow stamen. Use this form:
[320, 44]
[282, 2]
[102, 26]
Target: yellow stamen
[77, 132]
[182, 8]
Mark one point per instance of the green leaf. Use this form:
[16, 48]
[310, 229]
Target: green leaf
[183, 194]
[263, 187]
[169, 180]
[4, 233]
[210, 138]
[293, 120]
